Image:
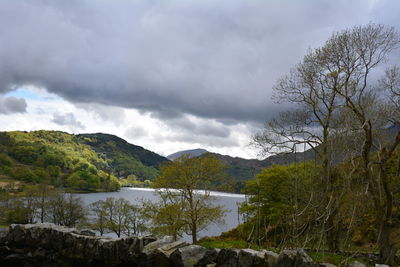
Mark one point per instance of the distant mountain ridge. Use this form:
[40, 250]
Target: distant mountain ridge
[107, 143]
[245, 169]
[89, 161]
[242, 169]
[191, 153]
[83, 161]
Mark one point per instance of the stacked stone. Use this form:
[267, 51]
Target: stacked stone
[50, 245]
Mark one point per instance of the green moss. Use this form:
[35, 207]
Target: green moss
[335, 258]
[215, 243]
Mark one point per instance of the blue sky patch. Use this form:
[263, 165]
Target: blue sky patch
[24, 93]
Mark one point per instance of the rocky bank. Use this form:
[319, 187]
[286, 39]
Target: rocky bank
[52, 245]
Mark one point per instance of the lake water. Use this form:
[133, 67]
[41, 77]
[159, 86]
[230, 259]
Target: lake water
[227, 200]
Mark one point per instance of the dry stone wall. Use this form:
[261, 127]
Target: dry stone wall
[52, 245]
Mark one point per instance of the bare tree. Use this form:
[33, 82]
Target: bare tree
[333, 84]
[98, 220]
[310, 87]
[358, 52]
[122, 217]
[66, 209]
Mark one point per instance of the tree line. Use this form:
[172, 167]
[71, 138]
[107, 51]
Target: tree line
[180, 207]
[349, 117]
[41, 203]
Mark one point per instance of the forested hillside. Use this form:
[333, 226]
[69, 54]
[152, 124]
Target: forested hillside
[84, 162]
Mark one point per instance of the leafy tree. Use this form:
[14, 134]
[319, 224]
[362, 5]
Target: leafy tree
[166, 215]
[83, 180]
[278, 196]
[18, 212]
[24, 174]
[5, 163]
[108, 182]
[5, 160]
[27, 154]
[181, 178]
[66, 209]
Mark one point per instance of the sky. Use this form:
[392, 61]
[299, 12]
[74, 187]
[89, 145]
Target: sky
[167, 75]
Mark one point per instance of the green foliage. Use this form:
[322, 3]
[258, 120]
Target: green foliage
[17, 213]
[82, 162]
[338, 260]
[218, 243]
[276, 194]
[25, 174]
[83, 180]
[124, 158]
[195, 210]
[5, 160]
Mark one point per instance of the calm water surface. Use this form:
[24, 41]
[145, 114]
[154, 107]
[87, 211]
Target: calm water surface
[134, 195]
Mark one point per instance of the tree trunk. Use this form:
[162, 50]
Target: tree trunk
[194, 233]
[332, 235]
[332, 238]
[387, 246]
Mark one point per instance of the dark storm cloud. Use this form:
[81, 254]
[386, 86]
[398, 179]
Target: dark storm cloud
[197, 128]
[67, 119]
[11, 104]
[213, 59]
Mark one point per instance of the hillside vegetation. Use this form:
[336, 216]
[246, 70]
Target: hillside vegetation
[87, 162]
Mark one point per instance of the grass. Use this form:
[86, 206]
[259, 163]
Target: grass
[325, 257]
[214, 243]
[335, 259]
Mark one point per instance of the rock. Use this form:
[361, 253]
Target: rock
[3, 233]
[43, 242]
[157, 244]
[246, 257]
[52, 245]
[168, 249]
[326, 265]
[295, 258]
[86, 232]
[356, 264]
[381, 265]
[161, 255]
[209, 257]
[270, 258]
[188, 256]
[228, 257]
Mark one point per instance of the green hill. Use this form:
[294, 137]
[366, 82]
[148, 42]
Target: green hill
[85, 162]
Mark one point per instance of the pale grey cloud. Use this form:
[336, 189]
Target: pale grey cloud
[11, 104]
[104, 112]
[135, 132]
[67, 119]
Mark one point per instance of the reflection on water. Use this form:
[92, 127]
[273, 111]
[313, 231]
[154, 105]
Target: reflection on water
[227, 200]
